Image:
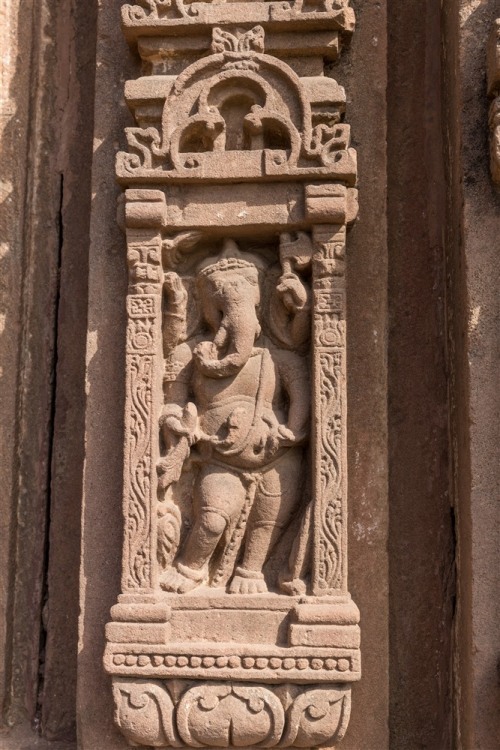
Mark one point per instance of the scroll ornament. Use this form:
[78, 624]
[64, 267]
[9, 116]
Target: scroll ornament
[225, 715]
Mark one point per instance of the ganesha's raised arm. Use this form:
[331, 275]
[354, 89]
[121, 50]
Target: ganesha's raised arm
[296, 299]
[175, 301]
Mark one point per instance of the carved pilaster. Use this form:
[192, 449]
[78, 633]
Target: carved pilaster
[235, 626]
[329, 427]
[144, 369]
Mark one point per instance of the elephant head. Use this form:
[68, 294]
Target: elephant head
[229, 294]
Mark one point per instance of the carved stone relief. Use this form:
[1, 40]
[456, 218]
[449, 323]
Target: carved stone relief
[494, 94]
[230, 714]
[235, 626]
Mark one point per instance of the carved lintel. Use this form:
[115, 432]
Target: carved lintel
[165, 17]
[291, 126]
[493, 81]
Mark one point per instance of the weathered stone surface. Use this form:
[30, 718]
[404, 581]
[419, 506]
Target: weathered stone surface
[23, 511]
[493, 81]
[367, 416]
[476, 307]
[421, 561]
[281, 663]
[235, 450]
[46, 79]
[367, 372]
[30, 265]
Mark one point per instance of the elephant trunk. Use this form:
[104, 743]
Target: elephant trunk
[233, 343]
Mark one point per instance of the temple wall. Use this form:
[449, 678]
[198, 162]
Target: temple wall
[422, 372]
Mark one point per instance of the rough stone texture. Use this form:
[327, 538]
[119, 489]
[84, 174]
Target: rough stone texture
[421, 543]
[493, 85]
[101, 513]
[26, 738]
[459, 353]
[47, 90]
[364, 75]
[75, 28]
[13, 136]
[29, 281]
[477, 439]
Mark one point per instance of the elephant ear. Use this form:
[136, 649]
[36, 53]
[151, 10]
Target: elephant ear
[268, 282]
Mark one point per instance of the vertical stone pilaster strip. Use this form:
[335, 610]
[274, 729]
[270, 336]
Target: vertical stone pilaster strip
[493, 80]
[143, 389]
[329, 422]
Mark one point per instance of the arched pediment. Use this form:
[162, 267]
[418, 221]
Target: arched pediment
[236, 101]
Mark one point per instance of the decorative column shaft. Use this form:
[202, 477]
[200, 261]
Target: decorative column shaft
[144, 371]
[329, 429]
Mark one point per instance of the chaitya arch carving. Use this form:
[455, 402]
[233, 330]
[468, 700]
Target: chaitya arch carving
[263, 97]
[250, 104]
[234, 626]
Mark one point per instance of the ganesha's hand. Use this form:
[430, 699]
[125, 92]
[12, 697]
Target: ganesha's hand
[176, 422]
[288, 437]
[293, 292]
[205, 352]
[174, 426]
[279, 436]
[176, 293]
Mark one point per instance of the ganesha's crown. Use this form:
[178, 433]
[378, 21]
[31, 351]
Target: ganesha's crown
[230, 259]
[227, 264]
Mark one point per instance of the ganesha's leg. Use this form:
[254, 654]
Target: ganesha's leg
[219, 497]
[275, 501]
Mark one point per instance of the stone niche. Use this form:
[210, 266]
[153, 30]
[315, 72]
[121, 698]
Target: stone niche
[234, 626]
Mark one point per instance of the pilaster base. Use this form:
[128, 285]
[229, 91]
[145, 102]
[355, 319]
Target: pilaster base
[278, 674]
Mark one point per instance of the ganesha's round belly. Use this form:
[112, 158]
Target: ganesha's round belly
[218, 420]
[249, 459]
[240, 437]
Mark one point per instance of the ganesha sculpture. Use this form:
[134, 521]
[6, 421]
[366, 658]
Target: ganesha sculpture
[234, 626]
[245, 428]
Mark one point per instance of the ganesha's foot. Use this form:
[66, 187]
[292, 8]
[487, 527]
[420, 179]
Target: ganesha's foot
[181, 579]
[247, 582]
[294, 587]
